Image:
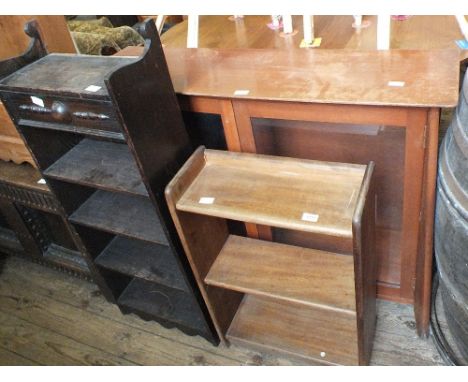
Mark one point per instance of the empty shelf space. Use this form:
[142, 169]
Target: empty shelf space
[127, 215]
[297, 194]
[285, 272]
[91, 131]
[151, 299]
[148, 261]
[295, 329]
[100, 164]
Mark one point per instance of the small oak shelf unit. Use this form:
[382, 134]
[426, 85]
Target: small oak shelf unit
[282, 297]
[107, 135]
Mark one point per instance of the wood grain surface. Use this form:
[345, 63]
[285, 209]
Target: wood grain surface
[54, 33]
[296, 330]
[286, 273]
[22, 175]
[107, 165]
[62, 307]
[321, 76]
[12, 147]
[276, 191]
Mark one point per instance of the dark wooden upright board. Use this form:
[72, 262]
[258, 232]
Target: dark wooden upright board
[107, 134]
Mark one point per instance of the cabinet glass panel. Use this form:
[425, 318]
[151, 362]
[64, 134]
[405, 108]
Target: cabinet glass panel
[349, 143]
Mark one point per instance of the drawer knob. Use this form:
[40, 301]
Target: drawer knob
[61, 112]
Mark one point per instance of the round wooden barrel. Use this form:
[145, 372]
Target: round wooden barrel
[451, 224]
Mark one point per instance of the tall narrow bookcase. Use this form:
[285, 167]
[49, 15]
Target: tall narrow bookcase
[107, 135]
[278, 297]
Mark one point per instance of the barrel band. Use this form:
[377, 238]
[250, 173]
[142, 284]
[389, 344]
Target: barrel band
[461, 136]
[450, 185]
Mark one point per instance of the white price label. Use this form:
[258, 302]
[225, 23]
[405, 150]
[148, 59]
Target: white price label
[93, 88]
[308, 217]
[242, 92]
[37, 101]
[396, 84]
[206, 200]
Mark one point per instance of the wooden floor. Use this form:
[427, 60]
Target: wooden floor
[50, 318]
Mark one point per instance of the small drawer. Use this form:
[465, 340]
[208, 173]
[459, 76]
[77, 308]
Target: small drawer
[63, 111]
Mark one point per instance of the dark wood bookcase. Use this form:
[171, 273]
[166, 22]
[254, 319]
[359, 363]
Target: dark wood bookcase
[107, 135]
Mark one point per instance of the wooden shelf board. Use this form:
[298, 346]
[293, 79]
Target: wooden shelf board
[22, 175]
[100, 164]
[148, 261]
[152, 299]
[114, 135]
[276, 192]
[285, 272]
[295, 329]
[122, 214]
[69, 74]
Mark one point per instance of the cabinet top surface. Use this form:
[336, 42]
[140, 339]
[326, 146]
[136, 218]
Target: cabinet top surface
[395, 77]
[22, 175]
[67, 74]
[288, 193]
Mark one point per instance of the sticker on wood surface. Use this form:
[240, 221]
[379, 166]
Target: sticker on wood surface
[41, 181]
[396, 84]
[308, 217]
[37, 101]
[242, 92]
[315, 43]
[206, 200]
[93, 88]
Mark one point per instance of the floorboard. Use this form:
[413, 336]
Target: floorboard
[49, 348]
[9, 358]
[47, 317]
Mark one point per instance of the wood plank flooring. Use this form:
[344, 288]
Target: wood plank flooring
[50, 318]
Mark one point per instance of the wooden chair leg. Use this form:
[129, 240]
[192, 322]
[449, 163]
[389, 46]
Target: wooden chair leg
[308, 26]
[192, 32]
[383, 32]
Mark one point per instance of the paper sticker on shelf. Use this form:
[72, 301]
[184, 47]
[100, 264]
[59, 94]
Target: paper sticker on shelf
[41, 181]
[242, 92]
[37, 101]
[206, 200]
[308, 217]
[396, 84]
[93, 88]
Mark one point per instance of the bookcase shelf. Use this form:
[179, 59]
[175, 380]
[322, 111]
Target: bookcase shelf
[101, 164]
[285, 272]
[107, 135]
[273, 325]
[278, 297]
[148, 261]
[121, 214]
[314, 196]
